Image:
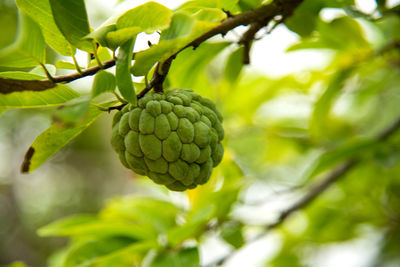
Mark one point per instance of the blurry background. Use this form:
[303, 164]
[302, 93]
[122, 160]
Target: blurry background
[273, 134]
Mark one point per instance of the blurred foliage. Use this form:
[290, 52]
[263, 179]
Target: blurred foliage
[283, 134]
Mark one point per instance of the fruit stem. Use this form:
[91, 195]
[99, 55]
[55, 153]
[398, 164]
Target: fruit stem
[158, 80]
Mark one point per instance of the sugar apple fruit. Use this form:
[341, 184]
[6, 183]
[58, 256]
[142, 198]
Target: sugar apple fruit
[174, 138]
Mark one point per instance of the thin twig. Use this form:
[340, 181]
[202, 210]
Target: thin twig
[384, 135]
[96, 55]
[247, 39]
[86, 72]
[314, 192]
[46, 71]
[78, 69]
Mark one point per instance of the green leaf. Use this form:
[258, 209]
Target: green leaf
[71, 18]
[196, 222]
[103, 54]
[234, 65]
[145, 60]
[125, 256]
[387, 155]
[103, 82]
[100, 34]
[150, 17]
[59, 227]
[390, 26]
[16, 264]
[38, 70]
[198, 5]
[227, 4]
[188, 66]
[381, 3]
[322, 107]
[143, 210]
[40, 11]
[85, 252]
[231, 232]
[350, 150]
[55, 138]
[31, 99]
[186, 257]
[119, 37]
[305, 17]
[203, 202]
[72, 112]
[210, 14]
[181, 25]
[343, 34]
[29, 48]
[65, 65]
[92, 226]
[249, 4]
[122, 72]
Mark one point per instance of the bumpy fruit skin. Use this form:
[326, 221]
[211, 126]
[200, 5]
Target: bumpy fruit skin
[174, 138]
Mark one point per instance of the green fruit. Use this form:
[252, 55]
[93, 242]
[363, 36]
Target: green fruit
[174, 138]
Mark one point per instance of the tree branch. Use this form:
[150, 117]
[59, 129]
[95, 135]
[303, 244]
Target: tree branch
[86, 72]
[315, 191]
[261, 14]
[248, 38]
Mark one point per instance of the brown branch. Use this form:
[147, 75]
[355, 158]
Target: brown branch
[335, 175]
[257, 17]
[9, 85]
[248, 38]
[250, 35]
[16, 85]
[86, 72]
[315, 191]
[263, 13]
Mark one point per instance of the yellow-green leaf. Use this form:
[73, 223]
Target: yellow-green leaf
[122, 72]
[29, 48]
[92, 226]
[119, 37]
[71, 18]
[40, 11]
[149, 17]
[103, 82]
[55, 138]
